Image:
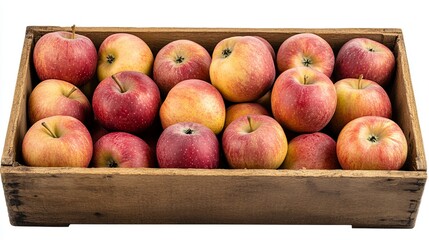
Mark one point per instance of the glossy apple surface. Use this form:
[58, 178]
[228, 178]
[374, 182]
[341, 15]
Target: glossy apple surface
[254, 142]
[303, 99]
[123, 52]
[65, 55]
[56, 97]
[357, 98]
[126, 102]
[122, 150]
[57, 141]
[372, 143]
[311, 151]
[188, 145]
[242, 68]
[306, 50]
[194, 100]
[180, 60]
[363, 56]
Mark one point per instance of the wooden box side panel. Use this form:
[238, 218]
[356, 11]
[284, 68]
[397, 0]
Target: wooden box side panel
[167, 196]
[405, 111]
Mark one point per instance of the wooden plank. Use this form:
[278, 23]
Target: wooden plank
[156, 38]
[62, 196]
[405, 110]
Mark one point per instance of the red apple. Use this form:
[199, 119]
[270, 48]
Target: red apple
[363, 56]
[180, 60]
[194, 100]
[123, 52]
[57, 141]
[372, 143]
[357, 98]
[242, 69]
[308, 50]
[187, 145]
[303, 99]
[311, 151]
[254, 141]
[128, 102]
[56, 97]
[123, 150]
[65, 55]
[242, 109]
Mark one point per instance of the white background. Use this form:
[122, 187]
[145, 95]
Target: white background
[407, 15]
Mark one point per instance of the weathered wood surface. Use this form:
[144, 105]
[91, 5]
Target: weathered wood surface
[62, 196]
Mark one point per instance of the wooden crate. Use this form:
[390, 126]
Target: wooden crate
[63, 196]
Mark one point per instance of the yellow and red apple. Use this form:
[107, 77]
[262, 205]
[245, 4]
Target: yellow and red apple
[254, 142]
[306, 50]
[123, 52]
[242, 68]
[303, 99]
[196, 101]
[372, 143]
[57, 141]
[357, 98]
[56, 97]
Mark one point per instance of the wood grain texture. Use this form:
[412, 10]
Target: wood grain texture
[156, 38]
[62, 196]
[405, 110]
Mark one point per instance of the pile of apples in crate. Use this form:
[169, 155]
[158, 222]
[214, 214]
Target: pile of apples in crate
[232, 108]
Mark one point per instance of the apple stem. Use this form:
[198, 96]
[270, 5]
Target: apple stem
[73, 31]
[360, 81]
[250, 123]
[117, 82]
[71, 91]
[305, 79]
[49, 130]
